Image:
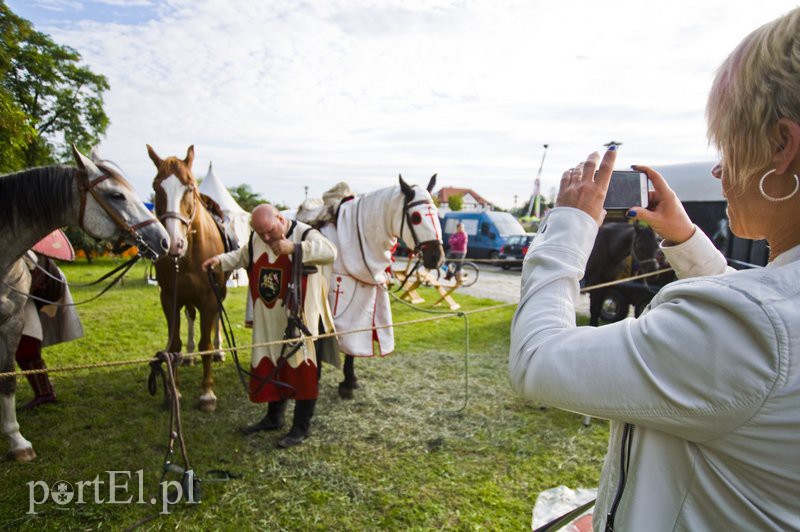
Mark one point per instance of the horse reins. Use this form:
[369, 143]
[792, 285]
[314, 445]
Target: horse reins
[124, 267]
[295, 328]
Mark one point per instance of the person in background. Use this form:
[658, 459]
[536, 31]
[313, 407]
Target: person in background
[457, 250]
[702, 390]
[45, 325]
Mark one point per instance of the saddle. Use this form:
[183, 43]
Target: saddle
[229, 239]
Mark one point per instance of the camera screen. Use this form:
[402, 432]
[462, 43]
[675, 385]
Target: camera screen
[624, 190]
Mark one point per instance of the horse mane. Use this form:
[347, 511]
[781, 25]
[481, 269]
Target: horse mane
[317, 212]
[36, 195]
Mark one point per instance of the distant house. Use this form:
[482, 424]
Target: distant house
[472, 201]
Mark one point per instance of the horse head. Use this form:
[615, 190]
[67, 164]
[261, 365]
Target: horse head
[176, 198]
[645, 248]
[110, 207]
[420, 224]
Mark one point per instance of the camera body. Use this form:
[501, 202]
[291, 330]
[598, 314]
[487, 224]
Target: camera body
[626, 189]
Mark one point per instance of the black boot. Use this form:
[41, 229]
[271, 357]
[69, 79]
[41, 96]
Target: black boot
[274, 419]
[303, 412]
[350, 381]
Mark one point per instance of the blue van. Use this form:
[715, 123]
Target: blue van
[487, 231]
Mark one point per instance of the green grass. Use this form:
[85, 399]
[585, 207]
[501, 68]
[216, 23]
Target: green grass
[400, 456]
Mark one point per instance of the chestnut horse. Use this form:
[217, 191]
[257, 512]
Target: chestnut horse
[194, 237]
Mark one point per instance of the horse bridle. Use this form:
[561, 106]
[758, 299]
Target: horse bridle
[636, 258]
[179, 216]
[88, 186]
[407, 204]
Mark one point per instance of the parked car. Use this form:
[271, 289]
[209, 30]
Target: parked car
[487, 231]
[514, 250]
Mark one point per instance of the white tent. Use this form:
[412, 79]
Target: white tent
[238, 218]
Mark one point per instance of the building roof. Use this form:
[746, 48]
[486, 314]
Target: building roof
[444, 193]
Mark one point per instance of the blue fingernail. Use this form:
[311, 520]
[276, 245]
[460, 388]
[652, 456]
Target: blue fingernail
[613, 147]
[631, 214]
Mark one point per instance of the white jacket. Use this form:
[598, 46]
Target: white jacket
[709, 377]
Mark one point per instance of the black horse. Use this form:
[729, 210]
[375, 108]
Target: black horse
[616, 241]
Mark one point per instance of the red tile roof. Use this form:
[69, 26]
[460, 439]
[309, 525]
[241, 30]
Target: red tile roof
[444, 194]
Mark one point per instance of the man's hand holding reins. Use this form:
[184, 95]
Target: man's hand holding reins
[211, 263]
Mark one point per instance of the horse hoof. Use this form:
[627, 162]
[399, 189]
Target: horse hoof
[344, 392]
[219, 356]
[207, 405]
[24, 455]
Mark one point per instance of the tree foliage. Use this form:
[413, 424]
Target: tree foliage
[47, 98]
[455, 202]
[245, 197]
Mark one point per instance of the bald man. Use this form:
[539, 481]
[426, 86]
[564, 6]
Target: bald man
[270, 248]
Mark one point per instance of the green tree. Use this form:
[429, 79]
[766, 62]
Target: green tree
[61, 101]
[245, 197]
[455, 202]
[15, 134]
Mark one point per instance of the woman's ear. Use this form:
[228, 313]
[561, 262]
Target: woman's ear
[788, 155]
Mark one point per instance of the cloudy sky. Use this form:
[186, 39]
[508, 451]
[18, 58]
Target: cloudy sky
[286, 94]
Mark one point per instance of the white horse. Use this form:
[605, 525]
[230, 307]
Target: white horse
[33, 203]
[365, 229]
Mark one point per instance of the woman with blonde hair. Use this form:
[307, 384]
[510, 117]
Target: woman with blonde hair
[703, 390]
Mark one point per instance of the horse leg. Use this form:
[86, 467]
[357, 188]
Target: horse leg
[174, 332]
[190, 313]
[350, 381]
[208, 401]
[19, 448]
[219, 356]
[595, 305]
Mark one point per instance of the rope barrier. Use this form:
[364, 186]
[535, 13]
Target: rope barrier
[118, 363]
[625, 280]
[444, 315]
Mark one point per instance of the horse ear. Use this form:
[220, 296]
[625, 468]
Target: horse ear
[189, 156]
[84, 163]
[154, 156]
[406, 188]
[431, 184]
[94, 155]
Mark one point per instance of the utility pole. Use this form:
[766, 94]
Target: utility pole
[515, 202]
[306, 189]
[537, 184]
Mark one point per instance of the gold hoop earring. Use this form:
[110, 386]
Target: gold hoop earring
[782, 198]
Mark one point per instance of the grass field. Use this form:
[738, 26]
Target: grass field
[400, 456]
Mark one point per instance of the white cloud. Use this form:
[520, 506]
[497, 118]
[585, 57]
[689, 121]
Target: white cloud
[283, 94]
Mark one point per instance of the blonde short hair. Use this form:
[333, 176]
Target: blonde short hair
[758, 84]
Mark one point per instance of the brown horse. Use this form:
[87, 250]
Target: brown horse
[194, 237]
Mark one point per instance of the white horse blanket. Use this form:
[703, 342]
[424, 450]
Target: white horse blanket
[358, 296]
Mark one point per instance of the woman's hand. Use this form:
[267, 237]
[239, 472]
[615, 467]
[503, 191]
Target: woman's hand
[665, 213]
[581, 189]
